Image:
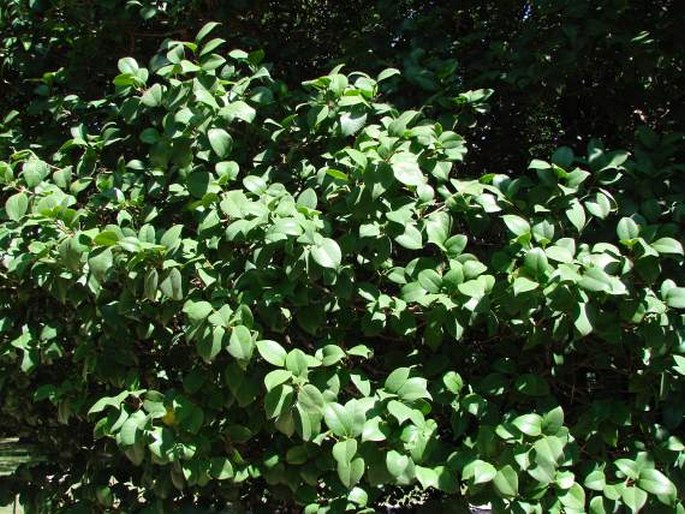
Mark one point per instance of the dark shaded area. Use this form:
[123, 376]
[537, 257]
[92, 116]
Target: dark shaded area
[563, 72]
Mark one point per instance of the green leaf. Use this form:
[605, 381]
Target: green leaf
[351, 123]
[212, 61]
[405, 168]
[220, 141]
[529, 424]
[337, 419]
[255, 184]
[560, 253]
[16, 206]
[358, 496]
[100, 264]
[150, 285]
[402, 413]
[537, 164]
[296, 362]
[553, 421]
[35, 171]
[480, 471]
[297, 455]
[190, 417]
[272, 352]
[242, 386]
[506, 482]
[276, 377]
[358, 157]
[548, 451]
[209, 347]
[372, 430]
[574, 498]
[128, 65]
[221, 468]
[331, 354]
[150, 136]
[453, 382]
[205, 97]
[628, 467]
[634, 498]
[576, 215]
[347, 421]
[278, 400]
[543, 232]
[128, 435]
[172, 238]
[411, 239]
[597, 506]
[350, 470]
[337, 175]
[238, 109]
[535, 262]
[583, 319]
[396, 379]
[172, 285]
[240, 344]
[516, 224]
[675, 297]
[627, 229]
[600, 207]
[667, 245]
[472, 289]
[679, 366]
[311, 400]
[455, 245]
[401, 467]
[387, 73]
[595, 280]
[438, 227]
[655, 482]
[229, 169]
[153, 96]
[430, 280]
[197, 311]
[344, 451]
[413, 389]
[595, 480]
[205, 30]
[109, 401]
[427, 477]
[524, 285]
[327, 254]
[238, 55]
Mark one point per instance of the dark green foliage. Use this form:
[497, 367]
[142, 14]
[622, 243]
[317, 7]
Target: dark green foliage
[221, 288]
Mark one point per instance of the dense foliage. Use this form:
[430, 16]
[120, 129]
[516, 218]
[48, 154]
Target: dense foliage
[223, 284]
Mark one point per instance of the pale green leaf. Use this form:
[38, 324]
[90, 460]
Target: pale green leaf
[16, 206]
[327, 254]
[220, 141]
[240, 343]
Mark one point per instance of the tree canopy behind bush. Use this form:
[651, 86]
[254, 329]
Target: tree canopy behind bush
[222, 287]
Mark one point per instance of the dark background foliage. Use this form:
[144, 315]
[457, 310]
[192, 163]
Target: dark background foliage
[563, 72]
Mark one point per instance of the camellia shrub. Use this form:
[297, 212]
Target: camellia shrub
[222, 293]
